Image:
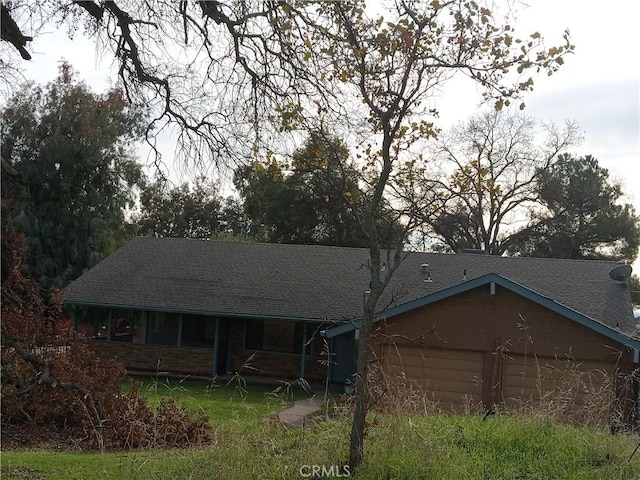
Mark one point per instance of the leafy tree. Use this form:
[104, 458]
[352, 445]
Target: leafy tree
[487, 178]
[583, 216]
[184, 211]
[314, 200]
[72, 151]
[392, 65]
[277, 211]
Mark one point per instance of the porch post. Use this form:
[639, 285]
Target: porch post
[216, 347]
[143, 327]
[109, 319]
[304, 350]
[179, 339]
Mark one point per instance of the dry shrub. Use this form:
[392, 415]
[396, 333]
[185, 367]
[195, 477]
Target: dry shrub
[567, 393]
[58, 392]
[564, 392]
[56, 413]
[400, 395]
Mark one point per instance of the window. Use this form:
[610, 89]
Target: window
[253, 338]
[274, 336]
[125, 326]
[198, 331]
[92, 323]
[120, 325]
[162, 328]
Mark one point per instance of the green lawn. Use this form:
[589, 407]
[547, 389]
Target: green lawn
[228, 404]
[441, 447]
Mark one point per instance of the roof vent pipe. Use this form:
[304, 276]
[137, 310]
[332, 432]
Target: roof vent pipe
[425, 271]
[464, 275]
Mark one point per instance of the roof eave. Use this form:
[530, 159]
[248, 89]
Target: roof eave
[199, 312]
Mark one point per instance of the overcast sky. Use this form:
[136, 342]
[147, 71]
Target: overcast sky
[598, 87]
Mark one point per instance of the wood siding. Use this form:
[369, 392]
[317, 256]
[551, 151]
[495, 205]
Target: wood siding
[534, 378]
[452, 378]
[496, 327]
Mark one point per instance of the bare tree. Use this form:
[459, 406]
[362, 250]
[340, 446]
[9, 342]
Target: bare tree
[392, 67]
[481, 182]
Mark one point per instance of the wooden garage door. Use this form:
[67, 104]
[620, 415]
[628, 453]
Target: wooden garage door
[536, 378]
[453, 378]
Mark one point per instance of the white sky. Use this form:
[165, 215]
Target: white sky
[598, 86]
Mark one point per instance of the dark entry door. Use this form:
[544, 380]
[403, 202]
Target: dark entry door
[343, 353]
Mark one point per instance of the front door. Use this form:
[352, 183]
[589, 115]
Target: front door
[342, 350]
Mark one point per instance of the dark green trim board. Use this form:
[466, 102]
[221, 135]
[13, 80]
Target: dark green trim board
[196, 312]
[489, 280]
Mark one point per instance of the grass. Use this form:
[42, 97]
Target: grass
[443, 447]
[227, 404]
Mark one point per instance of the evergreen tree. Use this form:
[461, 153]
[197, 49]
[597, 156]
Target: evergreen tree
[73, 151]
[583, 216]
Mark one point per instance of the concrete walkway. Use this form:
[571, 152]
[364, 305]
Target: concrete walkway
[297, 415]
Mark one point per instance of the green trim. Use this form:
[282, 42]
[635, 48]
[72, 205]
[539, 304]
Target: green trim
[304, 351]
[200, 312]
[514, 287]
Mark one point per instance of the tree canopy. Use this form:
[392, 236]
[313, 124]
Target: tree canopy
[583, 215]
[72, 151]
[313, 199]
[193, 210]
[481, 178]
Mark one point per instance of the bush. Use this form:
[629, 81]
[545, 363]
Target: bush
[55, 390]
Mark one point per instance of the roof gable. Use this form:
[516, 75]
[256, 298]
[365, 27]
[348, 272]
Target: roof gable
[492, 278]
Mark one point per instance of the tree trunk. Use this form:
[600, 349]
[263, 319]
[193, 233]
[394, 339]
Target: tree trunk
[356, 445]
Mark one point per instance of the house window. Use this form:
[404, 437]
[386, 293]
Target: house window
[125, 326]
[253, 337]
[198, 331]
[274, 336]
[92, 323]
[162, 328]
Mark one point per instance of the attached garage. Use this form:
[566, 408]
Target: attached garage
[452, 378]
[490, 341]
[532, 378]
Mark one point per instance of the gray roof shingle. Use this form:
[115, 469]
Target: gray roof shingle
[319, 282]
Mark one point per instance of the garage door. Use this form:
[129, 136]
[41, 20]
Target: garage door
[535, 378]
[453, 378]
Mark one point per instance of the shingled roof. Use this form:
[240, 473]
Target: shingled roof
[311, 282]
